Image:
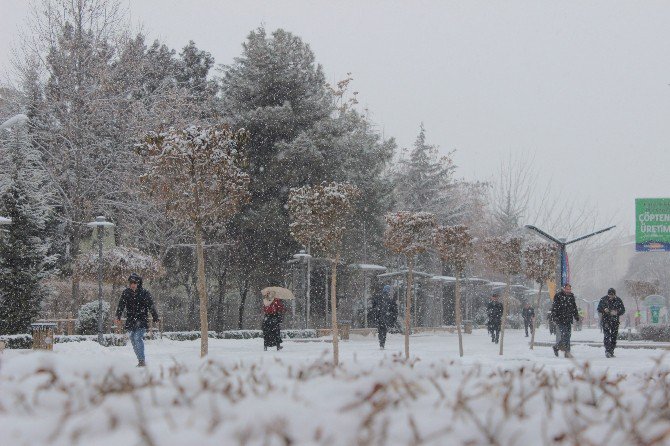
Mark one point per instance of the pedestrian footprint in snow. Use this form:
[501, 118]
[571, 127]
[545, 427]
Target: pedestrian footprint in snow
[137, 303]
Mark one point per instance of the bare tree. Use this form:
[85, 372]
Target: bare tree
[197, 174]
[504, 256]
[319, 219]
[540, 266]
[454, 246]
[409, 234]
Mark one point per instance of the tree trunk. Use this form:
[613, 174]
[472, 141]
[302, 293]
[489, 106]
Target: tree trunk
[244, 290]
[74, 253]
[333, 304]
[458, 315]
[408, 305]
[532, 321]
[200, 253]
[504, 315]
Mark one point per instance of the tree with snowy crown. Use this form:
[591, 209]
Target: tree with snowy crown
[409, 234]
[540, 260]
[24, 248]
[454, 246]
[197, 175]
[504, 255]
[319, 219]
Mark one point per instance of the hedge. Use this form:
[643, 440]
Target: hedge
[25, 341]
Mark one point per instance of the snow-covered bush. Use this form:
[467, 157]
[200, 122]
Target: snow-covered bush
[658, 333]
[87, 318]
[19, 341]
[515, 321]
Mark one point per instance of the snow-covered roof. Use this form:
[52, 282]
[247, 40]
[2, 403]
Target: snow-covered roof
[475, 280]
[443, 278]
[367, 267]
[404, 272]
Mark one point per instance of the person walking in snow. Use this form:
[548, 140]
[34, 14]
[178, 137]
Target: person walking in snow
[273, 310]
[137, 302]
[610, 309]
[494, 311]
[384, 313]
[563, 311]
[528, 314]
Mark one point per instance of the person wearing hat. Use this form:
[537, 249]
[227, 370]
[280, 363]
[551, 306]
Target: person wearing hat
[610, 309]
[137, 303]
[528, 314]
[384, 313]
[494, 310]
[563, 311]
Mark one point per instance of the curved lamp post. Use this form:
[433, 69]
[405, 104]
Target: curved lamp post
[100, 222]
[562, 244]
[302, 256]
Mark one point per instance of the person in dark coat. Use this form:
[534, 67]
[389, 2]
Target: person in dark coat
[528, 314]
[610, 309]
[563, 311]
[137, 302]
[494, 311]
[384, 313]
[273, 311]
[551, 323]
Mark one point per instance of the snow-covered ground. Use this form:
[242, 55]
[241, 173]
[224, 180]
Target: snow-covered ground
[86, 394]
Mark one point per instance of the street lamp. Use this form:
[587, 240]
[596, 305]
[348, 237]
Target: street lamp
[302, 256]
[562, 244]
[100, 222]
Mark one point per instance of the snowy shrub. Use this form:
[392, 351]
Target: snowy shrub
[19, 341]
[632, 336]
[87, 318]
[515, 321]
[658, 333]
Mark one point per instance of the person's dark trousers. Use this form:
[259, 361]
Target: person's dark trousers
[526, 324]
[495, 335]
[611, 331]
[381, 333]
[565, 331]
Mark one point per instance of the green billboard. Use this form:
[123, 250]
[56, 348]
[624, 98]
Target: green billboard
[652, 224]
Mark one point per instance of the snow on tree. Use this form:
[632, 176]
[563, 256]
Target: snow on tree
[87, 317]
[409, 234]
[504, 255]
[539, 265]
[118, 263]
[197, 175]
[25, 258]
[319, 219]
[454, 246]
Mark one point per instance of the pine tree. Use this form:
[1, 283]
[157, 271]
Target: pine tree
[24, 249]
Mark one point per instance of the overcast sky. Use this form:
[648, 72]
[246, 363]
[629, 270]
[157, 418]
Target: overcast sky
[584, 86]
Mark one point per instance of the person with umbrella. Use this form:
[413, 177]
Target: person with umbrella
[273, 310]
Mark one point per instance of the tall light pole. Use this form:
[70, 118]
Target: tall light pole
[100, 222]
[562, 244]
[302, 256]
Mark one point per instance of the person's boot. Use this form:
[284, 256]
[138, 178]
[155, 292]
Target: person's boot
[555, 350]
[141, 363]
[279, 347]
[568, 355]
[608, 355]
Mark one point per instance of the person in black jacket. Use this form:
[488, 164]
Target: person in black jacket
[528, 314]
[137, 303]
[563, 311]
[610, 308]
[384, 313]
[494, 310]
